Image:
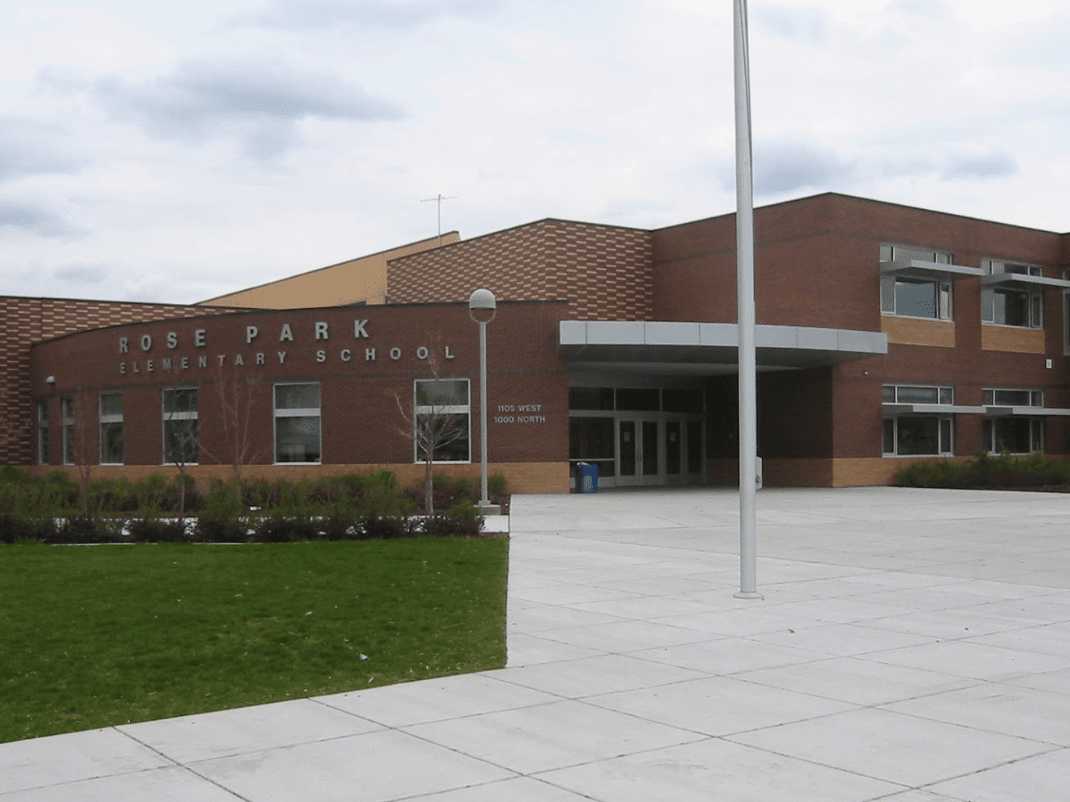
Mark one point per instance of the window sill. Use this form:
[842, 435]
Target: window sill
[919, 317]
[1011, 326]
[917, 456]
[298, 464]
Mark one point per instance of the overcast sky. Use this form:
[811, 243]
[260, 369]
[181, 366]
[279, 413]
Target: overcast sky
[175, 151]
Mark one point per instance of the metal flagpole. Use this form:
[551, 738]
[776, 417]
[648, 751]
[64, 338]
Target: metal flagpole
[748, 378]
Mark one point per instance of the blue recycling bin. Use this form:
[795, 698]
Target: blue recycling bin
[586, 477]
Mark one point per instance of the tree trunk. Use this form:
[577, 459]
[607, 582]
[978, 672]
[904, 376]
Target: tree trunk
[429, 489]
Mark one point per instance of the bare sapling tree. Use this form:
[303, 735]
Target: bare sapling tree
[78, 414]
[181, 435]
[236, 396]
[432, 420]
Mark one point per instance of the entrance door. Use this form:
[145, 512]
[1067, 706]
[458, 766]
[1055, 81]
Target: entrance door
[637, 451]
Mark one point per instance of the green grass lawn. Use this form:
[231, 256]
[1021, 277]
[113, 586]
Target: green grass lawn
[93, 636]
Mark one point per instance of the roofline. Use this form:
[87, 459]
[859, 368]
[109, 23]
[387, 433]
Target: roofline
[246, 311]
[336, 264]
[115, 301]
[523, 225]
[867, 200]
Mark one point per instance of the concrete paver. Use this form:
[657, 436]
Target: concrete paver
[911, 646]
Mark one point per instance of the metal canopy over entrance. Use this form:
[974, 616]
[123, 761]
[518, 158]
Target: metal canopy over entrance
[668, 343]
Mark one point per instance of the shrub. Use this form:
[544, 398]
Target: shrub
[497, 488]
[14, 528]
[278, 527]
[986, 471]
[153, 530]
[461, 519]
[342, 521]
[87, 529]
[386, 527]
[221, 517]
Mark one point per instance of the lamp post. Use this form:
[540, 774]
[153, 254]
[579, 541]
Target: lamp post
[482, 307]
[748, 371]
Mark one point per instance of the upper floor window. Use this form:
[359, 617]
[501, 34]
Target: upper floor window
[297, 422]
[917, 394]
[1013, 398]
[916, 295]
[1012, 306]
[111, 429]
[442, 423]
[42, 433]
[181, 427]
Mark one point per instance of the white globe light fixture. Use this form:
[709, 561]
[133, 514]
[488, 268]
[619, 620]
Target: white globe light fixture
[482, 306]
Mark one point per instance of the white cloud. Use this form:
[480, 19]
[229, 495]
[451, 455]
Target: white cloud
[135, 122]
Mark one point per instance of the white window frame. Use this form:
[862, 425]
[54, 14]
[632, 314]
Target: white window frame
[173, 416]
[943, 449]
[1066, 316]
[112, 418]
[1036, 396]
[303, 412]
[1035, 297]
[1036, 435]
[67, 424]
[944, 288]
[447, 409]
[940, 388]
[43, 440]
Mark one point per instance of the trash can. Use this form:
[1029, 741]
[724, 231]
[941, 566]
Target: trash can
[586, 477]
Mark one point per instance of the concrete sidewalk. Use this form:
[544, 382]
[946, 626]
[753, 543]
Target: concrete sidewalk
[913, 645]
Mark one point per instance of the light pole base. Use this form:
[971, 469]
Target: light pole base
[741, 594]
[486, 508]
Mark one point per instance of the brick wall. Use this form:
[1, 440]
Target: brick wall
[604, 272]
[24, 321]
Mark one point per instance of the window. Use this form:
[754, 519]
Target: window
[915, 296]
[917, 394]
[918, 435]
[590, 398]
[442, 423]
[181, 427]
[1013, 398]
[111, 429]
[1012, 306]
[297, 423]
[1014, 435]
[66, 411]
[42, 433]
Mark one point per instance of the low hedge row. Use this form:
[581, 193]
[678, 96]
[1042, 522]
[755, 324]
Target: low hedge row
[986, 471]
[47, 509]
[276, 527]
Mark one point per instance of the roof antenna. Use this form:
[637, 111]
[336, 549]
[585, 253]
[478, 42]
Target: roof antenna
[438, 201]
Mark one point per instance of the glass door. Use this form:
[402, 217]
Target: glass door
[637, 451]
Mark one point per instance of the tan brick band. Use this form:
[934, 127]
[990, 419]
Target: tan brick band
[1012, 338]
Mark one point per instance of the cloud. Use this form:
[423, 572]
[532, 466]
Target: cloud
[28, 148]
[982, 165]
[31, 219]
[788, 166]
[261, 104]
[81, 273]
[791, 22]
[396, 14]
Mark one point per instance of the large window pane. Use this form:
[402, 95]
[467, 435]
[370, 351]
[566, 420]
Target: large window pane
[888, 436]
[918, 436]
[689, 401]
[181, 399]
[638, 400]
[297, 396]
[111, 404]
[918, 395]
[916, 298]
[1013, 436]
[590, 398]
[442, 392]
[1010, 307]
[111, 443]
[181, 441]
[591, 440]
[297, 439]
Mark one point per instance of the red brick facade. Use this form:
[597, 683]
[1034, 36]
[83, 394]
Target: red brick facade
[360, 389]
[604, 272]
[29, 320]
[817, 266]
